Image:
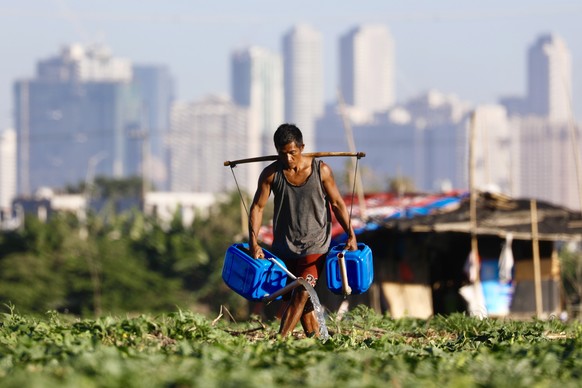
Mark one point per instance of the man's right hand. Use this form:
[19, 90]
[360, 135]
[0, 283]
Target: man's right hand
[257, 252]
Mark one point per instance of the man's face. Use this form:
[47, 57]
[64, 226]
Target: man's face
[290, 154]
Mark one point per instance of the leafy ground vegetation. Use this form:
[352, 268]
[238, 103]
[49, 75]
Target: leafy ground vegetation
[109, 280]
[186, 349]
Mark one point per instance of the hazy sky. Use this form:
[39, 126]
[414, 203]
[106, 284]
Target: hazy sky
[474, 49]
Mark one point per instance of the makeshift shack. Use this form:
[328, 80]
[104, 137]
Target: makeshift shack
[421, 246]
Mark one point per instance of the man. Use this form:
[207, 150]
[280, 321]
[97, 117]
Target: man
[304, 189]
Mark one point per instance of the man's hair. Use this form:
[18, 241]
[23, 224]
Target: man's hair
[287, 133]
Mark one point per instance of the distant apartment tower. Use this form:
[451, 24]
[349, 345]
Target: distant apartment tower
[495, 159]
[155, 85]
[423, 140]
[442, 158]
[550, 78]
[257, 84]
[303, 79]
[204, 134]
[367, 68]
[547, 167]
[81, 107]
[7, 169]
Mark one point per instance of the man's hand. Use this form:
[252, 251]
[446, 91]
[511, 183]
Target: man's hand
[257, 252]
[352, 244]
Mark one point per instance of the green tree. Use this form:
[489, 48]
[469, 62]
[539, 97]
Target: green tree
[124, 262]
[220, 229]
[571, 271]
[110, 188]
[31, 282]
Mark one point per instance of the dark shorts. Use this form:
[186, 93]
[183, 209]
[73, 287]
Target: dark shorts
[307, 267]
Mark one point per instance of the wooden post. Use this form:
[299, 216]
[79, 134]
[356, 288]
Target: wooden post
[374, 297]
[473, 192]
[352, 146]
[536, 258]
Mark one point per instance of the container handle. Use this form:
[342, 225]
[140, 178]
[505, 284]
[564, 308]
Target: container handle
[291, 286]
[272, 260]
[346, 289]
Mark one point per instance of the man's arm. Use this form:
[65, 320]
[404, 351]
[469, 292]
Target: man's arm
[256, 211]
[338, 206]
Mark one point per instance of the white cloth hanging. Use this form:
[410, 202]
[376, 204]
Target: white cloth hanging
[471, 267]
[473, 293]
[506, 260]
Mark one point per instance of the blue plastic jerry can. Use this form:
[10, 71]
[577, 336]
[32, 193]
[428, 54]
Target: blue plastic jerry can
[249, 277]
[359, 268]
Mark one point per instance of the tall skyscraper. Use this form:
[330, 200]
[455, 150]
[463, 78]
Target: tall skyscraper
[205, 134]
[81, 104]
[367, 68]
[257, 84]
[155, 85]
[303, 75]
[7, 169]
[494, 156]
[550, 78]
[423, 140]
[547, 166]
[541, 135]
[442, 159]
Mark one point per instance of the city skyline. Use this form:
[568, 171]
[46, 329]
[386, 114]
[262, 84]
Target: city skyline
[450, 47]
[84, 95]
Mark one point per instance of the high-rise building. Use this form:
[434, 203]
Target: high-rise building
[367, 68]
[257, 84]
[7, 169]
[303, 78]
[423, 140]
[442, 160]
[547, 164]
[204, 134]
[156, 87]
[80, 107]
[542, 154]
[550, 79]
[494, 159]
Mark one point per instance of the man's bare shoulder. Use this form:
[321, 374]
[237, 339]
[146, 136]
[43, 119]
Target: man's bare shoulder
[325, 170]
[269, 172]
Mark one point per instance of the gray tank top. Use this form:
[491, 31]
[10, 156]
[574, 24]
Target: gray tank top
[302, 217]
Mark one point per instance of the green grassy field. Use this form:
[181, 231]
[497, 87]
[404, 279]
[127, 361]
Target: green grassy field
[184, 349]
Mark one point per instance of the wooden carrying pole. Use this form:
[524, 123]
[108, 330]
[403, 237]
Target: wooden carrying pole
[536, 258]
[233, 163]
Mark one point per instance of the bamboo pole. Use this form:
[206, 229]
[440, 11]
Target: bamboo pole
[536, 258]
[575, 150]
[352, 146]
[472, 191]
[233, 163]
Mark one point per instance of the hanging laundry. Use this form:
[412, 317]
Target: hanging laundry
[473, 295]
[471, 267]
[506, 260]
